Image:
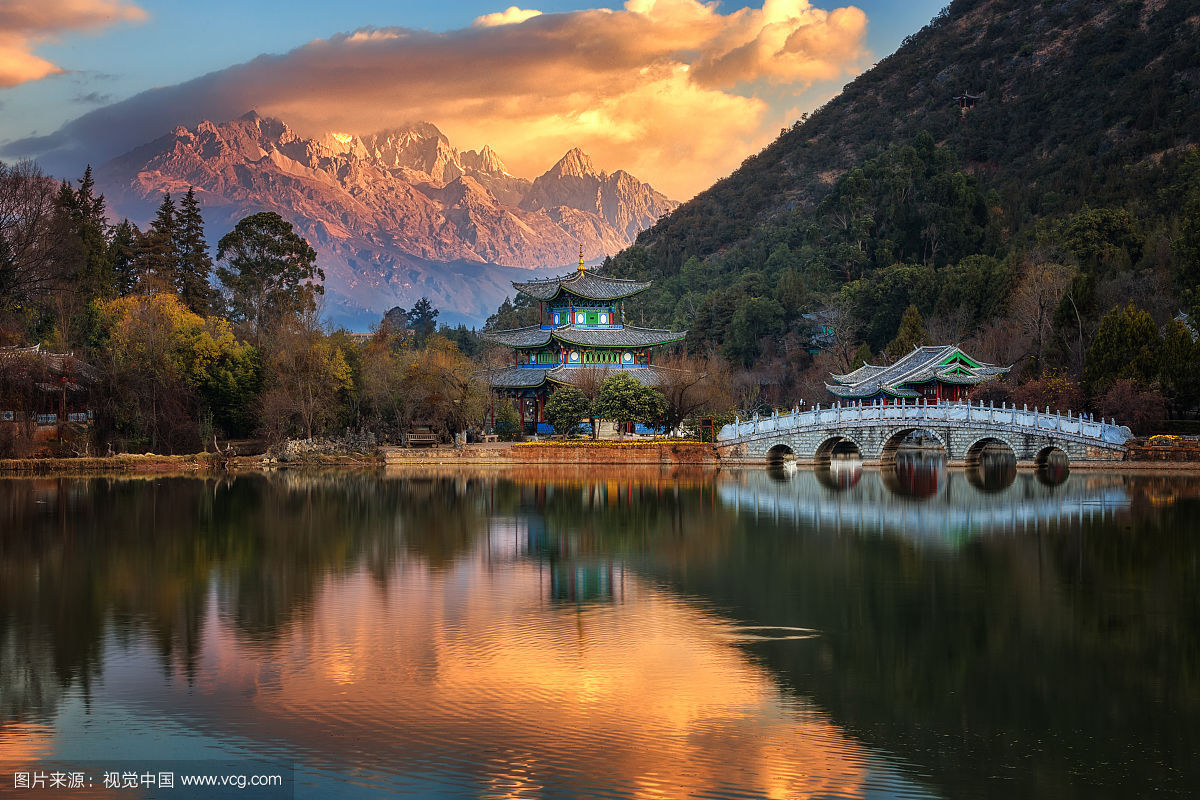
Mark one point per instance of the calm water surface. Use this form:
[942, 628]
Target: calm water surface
[786, 634]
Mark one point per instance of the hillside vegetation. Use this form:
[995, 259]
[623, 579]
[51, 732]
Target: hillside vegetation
[1070, 189]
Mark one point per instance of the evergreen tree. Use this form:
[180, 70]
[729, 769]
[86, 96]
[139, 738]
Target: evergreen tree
[1127, 346]
[910, 334]
[158, 258]
[861, 356]
[624, 399]
[1179, 367]
[423, 320]
[85, 230]
[194, 262]
[123, 254]
[271, 274]
[566, 410]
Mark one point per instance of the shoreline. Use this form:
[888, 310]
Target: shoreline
[664, 453]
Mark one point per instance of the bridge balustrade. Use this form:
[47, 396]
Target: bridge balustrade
[1004, 418]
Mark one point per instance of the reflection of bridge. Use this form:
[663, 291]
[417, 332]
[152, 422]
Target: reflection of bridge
[957, 510]
[962, 429]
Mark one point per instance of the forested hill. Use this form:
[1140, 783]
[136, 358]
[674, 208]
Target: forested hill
[1080, 150]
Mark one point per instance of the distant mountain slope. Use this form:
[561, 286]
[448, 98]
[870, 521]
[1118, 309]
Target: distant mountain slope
[1071, 95]
[385, 212]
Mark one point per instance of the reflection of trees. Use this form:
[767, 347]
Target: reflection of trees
[79, 557]
[1073, 646]
[1066, 642]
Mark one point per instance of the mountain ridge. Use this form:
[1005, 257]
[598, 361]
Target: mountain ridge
[382, 210]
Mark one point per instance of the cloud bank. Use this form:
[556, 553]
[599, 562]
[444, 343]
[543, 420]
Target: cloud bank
[670, 90]
[24, 24]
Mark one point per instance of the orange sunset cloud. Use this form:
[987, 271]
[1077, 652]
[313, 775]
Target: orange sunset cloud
[674, 91]
[26, 23]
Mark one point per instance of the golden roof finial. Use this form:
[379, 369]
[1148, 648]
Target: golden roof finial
[582, 268]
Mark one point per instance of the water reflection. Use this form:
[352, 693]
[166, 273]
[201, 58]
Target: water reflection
[994, 471]
[841, 473]
[916, 473]
[1055, 469]
[632, 633]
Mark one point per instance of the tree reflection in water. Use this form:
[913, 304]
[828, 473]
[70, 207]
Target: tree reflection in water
[1058, 620]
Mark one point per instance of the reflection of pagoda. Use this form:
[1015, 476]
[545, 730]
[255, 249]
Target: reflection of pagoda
[581, 325]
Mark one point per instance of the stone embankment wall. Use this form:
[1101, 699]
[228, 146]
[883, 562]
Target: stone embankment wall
[575, 452]
[1166, 449]
[615, 452]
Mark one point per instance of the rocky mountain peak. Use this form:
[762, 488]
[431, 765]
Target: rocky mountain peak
[575, 164]
[390, 214]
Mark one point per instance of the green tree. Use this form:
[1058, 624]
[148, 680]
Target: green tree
[1126, 347]
[755, 319]
[423, 320]
[194, 262]
[85, 224]
[566, 409]
[271, 272]
[624, 399]
[861, 356]
[911, 334]
[158, 258]
[508, 422]
[1179, 367]
[123, 253]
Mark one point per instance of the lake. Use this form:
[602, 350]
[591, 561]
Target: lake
[625, 632]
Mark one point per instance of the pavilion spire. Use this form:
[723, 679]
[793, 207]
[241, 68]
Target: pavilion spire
[582, 268]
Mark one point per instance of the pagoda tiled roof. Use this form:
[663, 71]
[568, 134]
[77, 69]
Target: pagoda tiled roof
[922, 365]
[647, 376]
[516, 377]
[532, 377]
[624, 336]
[531, 336]
[583, 283]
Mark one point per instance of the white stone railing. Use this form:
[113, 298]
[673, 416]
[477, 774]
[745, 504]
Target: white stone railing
[1003, 418]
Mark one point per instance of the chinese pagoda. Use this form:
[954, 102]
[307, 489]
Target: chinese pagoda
[582, 326]
[928, 374]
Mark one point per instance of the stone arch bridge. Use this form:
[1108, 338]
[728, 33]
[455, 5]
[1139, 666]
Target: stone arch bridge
[963, 430]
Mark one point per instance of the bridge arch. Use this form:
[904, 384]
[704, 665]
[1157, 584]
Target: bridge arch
[1048, 453]
[975, 449]
[824, 452]
[780, 453]
[887, 453]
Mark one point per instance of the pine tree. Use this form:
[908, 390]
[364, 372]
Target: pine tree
[194, 262]
[423, 320]
[123, 253]
[911, 334]
[861, 356]
[158, 260]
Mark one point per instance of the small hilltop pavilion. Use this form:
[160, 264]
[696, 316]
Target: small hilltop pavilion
[927, 374]
[582, 328]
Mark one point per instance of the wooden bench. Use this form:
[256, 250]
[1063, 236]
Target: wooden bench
[489, 437]
[418, 438]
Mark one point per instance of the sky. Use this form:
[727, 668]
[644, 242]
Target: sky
[677, 92]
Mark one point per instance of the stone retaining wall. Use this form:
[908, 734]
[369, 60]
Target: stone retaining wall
[613, 453]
